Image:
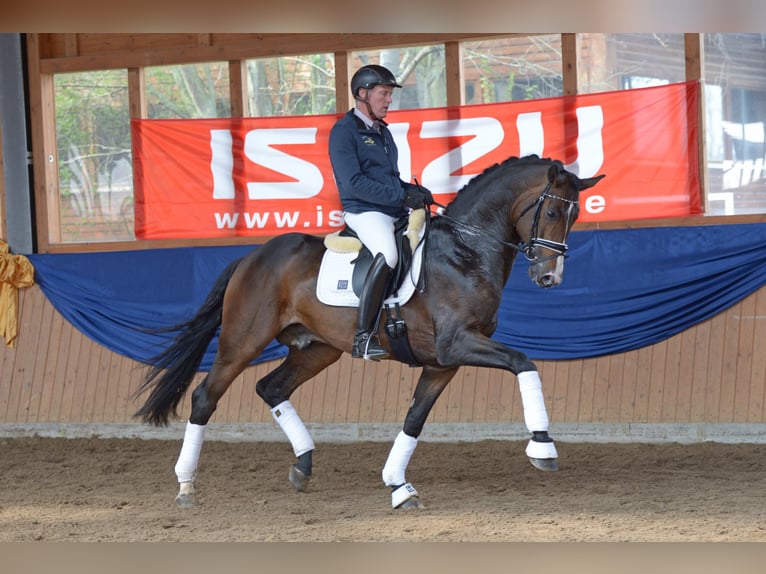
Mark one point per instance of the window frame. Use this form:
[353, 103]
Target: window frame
[46, 58]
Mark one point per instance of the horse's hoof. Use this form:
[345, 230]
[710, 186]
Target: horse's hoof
[185, 501]
[413, 502]
[298, 478]
[549, 464]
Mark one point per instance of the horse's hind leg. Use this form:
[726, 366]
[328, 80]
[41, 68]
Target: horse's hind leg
[275, 389]
[204, 401]
[235, 352]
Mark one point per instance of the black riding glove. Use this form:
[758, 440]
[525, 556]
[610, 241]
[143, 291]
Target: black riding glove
[414, 198]
[417, 196]
[428, 197]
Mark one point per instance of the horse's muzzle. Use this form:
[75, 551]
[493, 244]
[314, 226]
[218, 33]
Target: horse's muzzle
[547, 273]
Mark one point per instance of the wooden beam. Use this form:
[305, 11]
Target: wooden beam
[569, 55]
[342, 82]
[695, 66]
[238, 88]
[44, 151]
[70, 46]
[136, 93]
[239, 48]
[453, 56]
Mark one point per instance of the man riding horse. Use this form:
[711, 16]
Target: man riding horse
[364, 160]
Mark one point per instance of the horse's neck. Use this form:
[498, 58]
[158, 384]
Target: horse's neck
[476, 243]
[486, 219]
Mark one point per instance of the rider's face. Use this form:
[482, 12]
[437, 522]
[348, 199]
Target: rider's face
[379, 98]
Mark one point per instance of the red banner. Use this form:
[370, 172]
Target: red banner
[266, 176]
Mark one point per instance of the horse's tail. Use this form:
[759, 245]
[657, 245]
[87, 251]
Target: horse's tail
[171, 371]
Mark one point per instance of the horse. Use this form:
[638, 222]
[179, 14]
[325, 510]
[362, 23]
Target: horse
[521, 205]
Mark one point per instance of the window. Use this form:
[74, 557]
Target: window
[188, 91]
[94, 156]
[92, 115]
[609, 62]
[512, 69]
[291, 86]
[735, 108]
[420, 70]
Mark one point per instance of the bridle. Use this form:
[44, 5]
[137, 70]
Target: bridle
[534, 241]
[527, 248]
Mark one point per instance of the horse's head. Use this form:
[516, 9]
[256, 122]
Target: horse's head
[543, 218]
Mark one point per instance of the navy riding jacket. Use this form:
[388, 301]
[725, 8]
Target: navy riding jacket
[364, 163]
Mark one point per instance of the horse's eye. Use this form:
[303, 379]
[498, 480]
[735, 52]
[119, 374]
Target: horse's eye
[552, 214]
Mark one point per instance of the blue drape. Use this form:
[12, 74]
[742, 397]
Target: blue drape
[622, 290]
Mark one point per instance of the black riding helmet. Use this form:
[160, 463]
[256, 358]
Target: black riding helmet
[370, 76]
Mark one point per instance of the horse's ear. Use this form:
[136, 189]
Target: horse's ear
[591, 181]
[554, 172]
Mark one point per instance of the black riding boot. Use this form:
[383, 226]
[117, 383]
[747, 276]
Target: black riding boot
[366, 343]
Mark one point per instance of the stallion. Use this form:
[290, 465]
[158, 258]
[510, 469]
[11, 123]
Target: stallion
[522, 205]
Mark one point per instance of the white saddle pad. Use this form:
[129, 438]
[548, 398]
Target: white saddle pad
[334, 286]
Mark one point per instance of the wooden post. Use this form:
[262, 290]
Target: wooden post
[342, 82]
[238, 94]
[695, 67]
[42, 115]
[453, 56]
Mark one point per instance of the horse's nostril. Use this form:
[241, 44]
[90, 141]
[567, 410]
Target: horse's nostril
[548, 280]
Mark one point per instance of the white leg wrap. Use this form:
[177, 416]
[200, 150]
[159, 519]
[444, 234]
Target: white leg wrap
[292, 425]
[403, 494]
[398, 459]
[186, 466]
[535, 414]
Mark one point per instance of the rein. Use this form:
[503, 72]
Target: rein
[525, 248]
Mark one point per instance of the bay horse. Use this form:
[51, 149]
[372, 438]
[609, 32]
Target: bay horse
[522, 205]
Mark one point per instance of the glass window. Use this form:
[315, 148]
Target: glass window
[291, 86]
[608, 62]
[188, 91]
[420, 70]
[512, 69]
[94, 156]
[735, 114]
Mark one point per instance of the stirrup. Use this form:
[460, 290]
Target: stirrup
[366, 347]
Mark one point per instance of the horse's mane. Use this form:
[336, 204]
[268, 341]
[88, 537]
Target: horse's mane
[491, 170]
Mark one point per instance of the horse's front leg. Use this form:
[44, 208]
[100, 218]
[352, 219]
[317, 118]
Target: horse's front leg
[476, 349]
[431, 383]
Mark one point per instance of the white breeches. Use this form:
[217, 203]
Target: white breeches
[376, 231]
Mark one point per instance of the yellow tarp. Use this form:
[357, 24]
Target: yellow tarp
[16, 271]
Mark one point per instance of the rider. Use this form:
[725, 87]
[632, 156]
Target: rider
[373, 196]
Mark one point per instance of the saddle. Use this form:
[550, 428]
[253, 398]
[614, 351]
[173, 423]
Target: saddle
[344, 268]
[407, 233]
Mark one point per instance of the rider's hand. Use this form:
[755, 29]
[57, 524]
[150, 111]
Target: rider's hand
[428, 197]
[414, 198]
